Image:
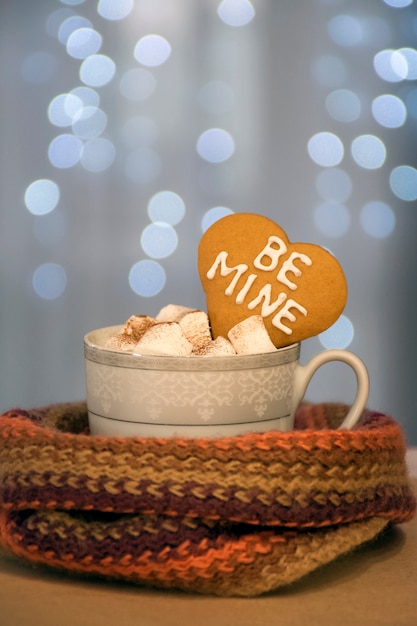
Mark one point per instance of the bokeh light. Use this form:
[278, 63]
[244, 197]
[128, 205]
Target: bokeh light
[98, 154]
[213, 215]
[159, 240]
[345, 30]
[166, 206]
[398, 4]
[71, 24]
[369, 151]
[236, 12]
[49, 281]
[114, 9]
[377, 219]
[325, 149]
[391, 65]
[152, 50]
[97, 70]
[65, 151]
[389, 111]
[339, 336]
[42, 196]
[87, 95]
[215, 145]
[147, 278]
[83, 42]
[64, 109]
[403, 182]
[91, 123]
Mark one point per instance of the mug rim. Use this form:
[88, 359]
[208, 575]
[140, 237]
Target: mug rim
[95, 352]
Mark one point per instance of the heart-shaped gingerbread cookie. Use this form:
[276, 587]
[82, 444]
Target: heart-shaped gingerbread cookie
[248, 266]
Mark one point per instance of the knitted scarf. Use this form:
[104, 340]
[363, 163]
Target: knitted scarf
[231, 516]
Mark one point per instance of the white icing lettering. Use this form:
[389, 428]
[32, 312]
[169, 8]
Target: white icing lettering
[288, 266]
[286, 314]
[274, 254]
[244, 291]
[225, 271]
[265, 295]
[273, 251]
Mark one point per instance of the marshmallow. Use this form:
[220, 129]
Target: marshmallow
[165, 339]
[219, 347]
[133, 329]
[250, 336]
[172, 313]
[196, 328]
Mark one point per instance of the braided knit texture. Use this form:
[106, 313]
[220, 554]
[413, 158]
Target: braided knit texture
[231, 516]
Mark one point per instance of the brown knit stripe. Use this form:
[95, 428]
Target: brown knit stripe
[271, 473]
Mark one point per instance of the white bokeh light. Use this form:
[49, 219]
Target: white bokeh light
[325, 149]
[65, 151]
[403, 182]
[91, 123]
[213, 215]
[166, 206]
[49, 281]
[64, 109]
[236, 12]
[152, 50]
[377, 219]
[147, 278]
[398, 4]
[97, 70]
[345, 30]
[87, 95]
[98, 154]
[83, 42]
[114, 9]
[391, 65]
[159, 240]
[369, 151]
[389, 111]
[215, 145]
[339, 336]
[70, 25]
[42, 196]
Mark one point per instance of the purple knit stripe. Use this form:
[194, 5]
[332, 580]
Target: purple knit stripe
[365, 504]
[153, 544]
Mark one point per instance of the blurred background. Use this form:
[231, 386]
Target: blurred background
[129, 126]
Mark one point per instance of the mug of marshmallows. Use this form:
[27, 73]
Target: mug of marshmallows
[235, 368]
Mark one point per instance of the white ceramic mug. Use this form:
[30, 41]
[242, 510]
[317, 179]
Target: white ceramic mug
[131, 395]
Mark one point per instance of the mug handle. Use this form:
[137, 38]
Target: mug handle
[304, 373]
